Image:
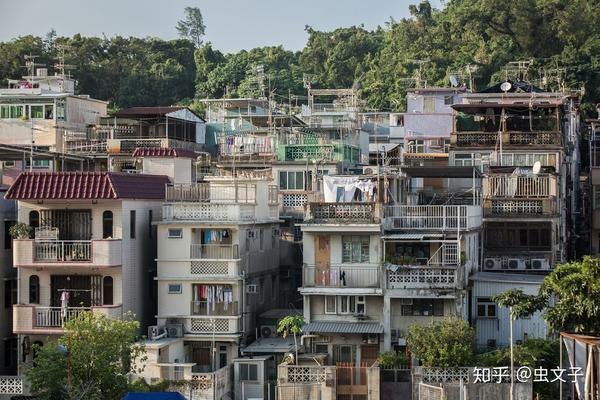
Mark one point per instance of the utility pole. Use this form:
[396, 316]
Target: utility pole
[512, 356]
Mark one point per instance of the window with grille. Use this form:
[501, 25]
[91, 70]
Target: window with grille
[355, 249]
[424, 308]
[248, 372]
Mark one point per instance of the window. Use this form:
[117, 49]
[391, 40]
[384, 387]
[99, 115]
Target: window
[34, 219]
[175, 233]
[42, 164]
[222, 356]
[463, 160]
[248, 372]
[107, 290]
[347, 304]
[174, 288]
[8, 164]
[448, 100]
[355, 249]
[330, 305]
[486, 308]
[37, 112]
[360, 305]
[321, 348]
[7, 237]
[132, 224]
[49, 112]
[291, 180]
[107, 224]
[34, 289]
[424, 308]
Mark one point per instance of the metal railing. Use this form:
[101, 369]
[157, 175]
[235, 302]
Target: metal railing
[539, 137]
[63, 250]
[206, 193]
[55, 317]
[506, 185]
[218, 308]
[341, 276]
[341, 213]
[214, 251]
[435, 217]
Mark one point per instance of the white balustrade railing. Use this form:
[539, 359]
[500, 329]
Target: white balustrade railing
[244, 193]
[341, 276]
[519, 186]
[63, 250]
[433, 217]
[55, 317]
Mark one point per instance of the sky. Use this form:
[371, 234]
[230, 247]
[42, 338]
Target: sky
[232, 25]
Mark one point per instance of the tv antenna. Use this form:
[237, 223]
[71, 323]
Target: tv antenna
[61, 67]
[30, 64]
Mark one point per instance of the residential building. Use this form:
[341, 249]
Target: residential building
[526, 143]
[218, 254]
[92, 249]
[8, 290]
[44, 111]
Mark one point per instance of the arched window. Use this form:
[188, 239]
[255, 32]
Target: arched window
[34, 219]
[107, 224]
[34, 289]
[107, 290]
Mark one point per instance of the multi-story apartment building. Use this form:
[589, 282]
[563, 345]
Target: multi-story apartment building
[45, 112]
[91, 248]
[430, 247]
[8, 290]
[526, 145]
[218, 254]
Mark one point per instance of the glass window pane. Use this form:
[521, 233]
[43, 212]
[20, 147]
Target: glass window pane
[37, 111]
[299, 180]
[282, 180]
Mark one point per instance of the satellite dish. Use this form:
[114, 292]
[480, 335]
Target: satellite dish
[537, 167]
[453, 81]
[506, 86]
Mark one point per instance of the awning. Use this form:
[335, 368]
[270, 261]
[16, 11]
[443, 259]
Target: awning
[343, 327]
[413, 236]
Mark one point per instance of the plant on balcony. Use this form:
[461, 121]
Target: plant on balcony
[20, 231]
[392, 359]
[291, 324]
[90, 361]
[401, 260]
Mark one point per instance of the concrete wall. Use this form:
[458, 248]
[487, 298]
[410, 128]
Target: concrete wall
[179, 170]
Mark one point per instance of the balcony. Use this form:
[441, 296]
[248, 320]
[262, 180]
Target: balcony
[213, 325]
[214, 251]
[487, 139]
[241, 193]
[209, 212]
[206, 385]
[316, 151]
[518, 208]
[38, 319]
[433, 217]
[128, 146]
[219, 308]
[97, 253]
[342, 276]
[409, 277]
[512, 186]
[341, 213]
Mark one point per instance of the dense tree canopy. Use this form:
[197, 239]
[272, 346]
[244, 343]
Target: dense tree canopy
[562, 39]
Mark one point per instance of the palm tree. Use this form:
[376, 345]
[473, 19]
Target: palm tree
[293, 324]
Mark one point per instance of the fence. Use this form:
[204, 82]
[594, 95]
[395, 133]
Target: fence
[63, 250]
[434, 217]
[217, 308]
[55, 317]
[341, 276]
[214, 251]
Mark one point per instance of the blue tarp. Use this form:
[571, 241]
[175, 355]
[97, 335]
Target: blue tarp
[153, 396]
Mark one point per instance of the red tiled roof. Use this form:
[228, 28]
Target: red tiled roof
[162, 152]
[86, 185]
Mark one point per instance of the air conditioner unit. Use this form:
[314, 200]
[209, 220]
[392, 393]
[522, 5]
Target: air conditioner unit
[251, 289]
[492, 263]
[268, 331]
[156, 332]
[516, 264]
[175, 330]
[406, 302]
[540, 264]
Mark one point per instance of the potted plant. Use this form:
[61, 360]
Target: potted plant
[20, 231]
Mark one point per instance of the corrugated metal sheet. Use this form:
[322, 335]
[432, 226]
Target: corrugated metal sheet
[413, 236]
[86, 185]
[343, 327]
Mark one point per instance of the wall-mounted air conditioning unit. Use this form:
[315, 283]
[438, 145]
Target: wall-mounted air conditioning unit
[156, 332]
[175, 330]
[540, 264]
[252, 289]
[268, 331]
[516, 264]
[492, 264]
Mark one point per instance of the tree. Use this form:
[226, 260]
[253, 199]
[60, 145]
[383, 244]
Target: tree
[521, 305]
[291, 324]
[447, 343]
[90, 361]
[192, 26]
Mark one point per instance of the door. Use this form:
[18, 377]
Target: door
[81, 291]
[201, 356]
[322, 260]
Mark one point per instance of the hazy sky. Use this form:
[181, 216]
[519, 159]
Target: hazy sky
[231, 24]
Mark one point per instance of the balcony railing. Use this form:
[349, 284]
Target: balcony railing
[209, 212]
[218, 308]
[481, 138]
[521, 207]
[338, 213]
[519, 186]
[63, 250]
[538, 138]
[206, 193]
[422, 277]
[341, 276]
[29, 318]
[214, 251]
[105, 252]
[435, 217]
